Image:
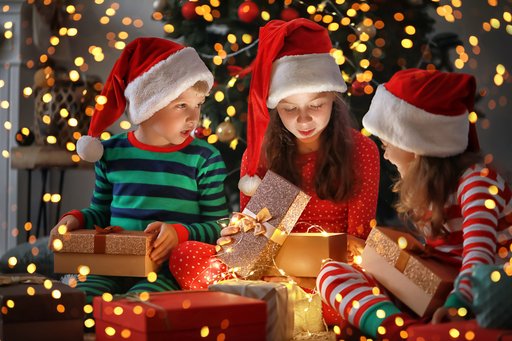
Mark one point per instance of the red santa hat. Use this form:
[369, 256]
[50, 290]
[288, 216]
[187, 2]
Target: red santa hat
[293, 57]
[149, 74]
[425, 112]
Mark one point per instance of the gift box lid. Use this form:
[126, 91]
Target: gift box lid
[182, 310]
[90, 241]
[26, 297]
[284, 200]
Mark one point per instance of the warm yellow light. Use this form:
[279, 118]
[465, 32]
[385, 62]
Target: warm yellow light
[407, 43]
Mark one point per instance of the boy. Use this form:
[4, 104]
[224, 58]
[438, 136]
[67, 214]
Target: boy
[156, 179]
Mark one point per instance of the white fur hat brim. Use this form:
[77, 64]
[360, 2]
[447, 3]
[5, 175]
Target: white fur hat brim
[309, 73]
[164, 82]
[413, 129]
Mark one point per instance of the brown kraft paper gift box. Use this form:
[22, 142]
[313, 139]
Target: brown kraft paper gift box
[421, 283]
[302, 254]
[264, 224]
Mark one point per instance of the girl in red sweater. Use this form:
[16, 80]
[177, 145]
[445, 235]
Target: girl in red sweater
[299, 123]
[462, 207]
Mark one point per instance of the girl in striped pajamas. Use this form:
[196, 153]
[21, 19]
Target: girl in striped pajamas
[157, 178]
[462, 207]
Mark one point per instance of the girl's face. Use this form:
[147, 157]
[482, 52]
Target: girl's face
[306, 115]
[399, 157]
[174, 123]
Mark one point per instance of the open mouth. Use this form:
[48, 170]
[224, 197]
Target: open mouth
[307, 132]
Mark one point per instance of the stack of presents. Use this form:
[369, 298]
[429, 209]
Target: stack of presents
[245, 308]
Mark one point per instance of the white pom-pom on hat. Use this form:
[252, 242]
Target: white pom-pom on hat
[249, 184]
[89, 148]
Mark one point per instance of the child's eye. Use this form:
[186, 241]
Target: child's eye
[290, 109]
[181, 106]
[318, 106]
[200, 104]
[383, 146]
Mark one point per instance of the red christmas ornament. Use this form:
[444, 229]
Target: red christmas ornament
[248, 11]
[288, 14]
[198, 133]
[188, 10]
[357, 88]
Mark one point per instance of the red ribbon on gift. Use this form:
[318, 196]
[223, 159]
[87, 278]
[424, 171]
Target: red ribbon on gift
[100, 238]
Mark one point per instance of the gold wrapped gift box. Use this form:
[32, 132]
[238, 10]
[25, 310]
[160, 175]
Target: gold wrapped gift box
[103, 252]
[264, 225]
[420, 282]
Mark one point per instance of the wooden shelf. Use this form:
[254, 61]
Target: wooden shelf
[33, 157]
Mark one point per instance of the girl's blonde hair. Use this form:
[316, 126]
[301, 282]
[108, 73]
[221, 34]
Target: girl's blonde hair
[334, 174]
[426, 187]
[201, 86]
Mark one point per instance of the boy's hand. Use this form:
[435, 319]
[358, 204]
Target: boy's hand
[226, 233]
[166, 240]
[71, 224]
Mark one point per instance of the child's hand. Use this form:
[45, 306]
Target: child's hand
[166, 240]
[71, 224]
[355, 248]
[226, 233]
[444, 314]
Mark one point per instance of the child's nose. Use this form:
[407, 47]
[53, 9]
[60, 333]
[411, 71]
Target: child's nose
[304, 117]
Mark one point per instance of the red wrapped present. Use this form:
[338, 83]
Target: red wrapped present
[37, 308]
[180, 315]
[463, 330]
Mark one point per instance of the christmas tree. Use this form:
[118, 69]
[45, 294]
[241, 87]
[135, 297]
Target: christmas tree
[371, 41]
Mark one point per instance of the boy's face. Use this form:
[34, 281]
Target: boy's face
[306, 115]
[397, 156]
[174, 123]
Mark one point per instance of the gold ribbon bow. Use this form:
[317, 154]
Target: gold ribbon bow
[10, 280]
[249, 223]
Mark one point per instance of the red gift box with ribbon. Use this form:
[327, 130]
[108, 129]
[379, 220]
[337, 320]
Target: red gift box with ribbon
[109, 251]
[36, 308]
[460, 330]
[180, 315]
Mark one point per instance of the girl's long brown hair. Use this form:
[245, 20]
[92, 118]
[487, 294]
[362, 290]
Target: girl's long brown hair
[427, 186]
[334, 175]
